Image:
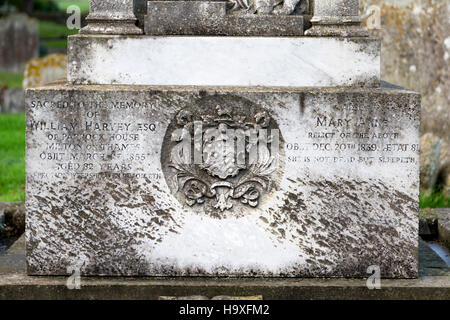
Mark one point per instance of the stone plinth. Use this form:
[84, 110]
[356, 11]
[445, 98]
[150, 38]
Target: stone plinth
[433, 284]
[111, 17]
[336, 18]
[211, 18]
[108, 192]
[224, 61]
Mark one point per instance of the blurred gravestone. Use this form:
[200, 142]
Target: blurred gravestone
[45, 70]
[416, 49]
[38, 72]
[12, 100]
[19, 42]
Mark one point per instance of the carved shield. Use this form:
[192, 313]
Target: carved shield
[219, 155]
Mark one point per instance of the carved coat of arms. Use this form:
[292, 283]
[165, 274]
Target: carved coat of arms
[222, 158]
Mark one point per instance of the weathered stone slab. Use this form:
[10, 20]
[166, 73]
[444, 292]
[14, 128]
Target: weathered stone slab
[109, 194]
[224, 61]
[211, 18]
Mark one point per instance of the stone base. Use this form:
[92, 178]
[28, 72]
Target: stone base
[211, 18]
[337, 31]
[224, 61]
[334, 189]
[349, 26]
[433, 284]
[111, 27]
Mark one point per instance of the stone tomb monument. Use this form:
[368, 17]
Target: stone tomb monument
[267, 148]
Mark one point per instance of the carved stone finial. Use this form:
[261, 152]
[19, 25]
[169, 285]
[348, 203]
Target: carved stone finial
[111, 17]
[336, 18]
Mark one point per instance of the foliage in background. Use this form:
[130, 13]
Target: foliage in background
[83, 5]
[49, 29]
[11, 80]
[45, 6]
[52, 30]
[12, 157]
[49, 32]
[30, 6]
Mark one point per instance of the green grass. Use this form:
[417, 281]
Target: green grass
[63, 5]
[12, 80]
[12, 157]
[434, 200]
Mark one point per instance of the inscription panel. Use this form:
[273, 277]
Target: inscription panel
[343, 194]
[94, 139]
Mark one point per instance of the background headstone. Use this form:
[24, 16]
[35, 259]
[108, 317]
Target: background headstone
[12, 100]
[38, 72]
[19, 42]
[430, 160]
[41, 71]
[416, 55]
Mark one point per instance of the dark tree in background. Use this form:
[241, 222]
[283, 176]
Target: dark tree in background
[28, 6]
